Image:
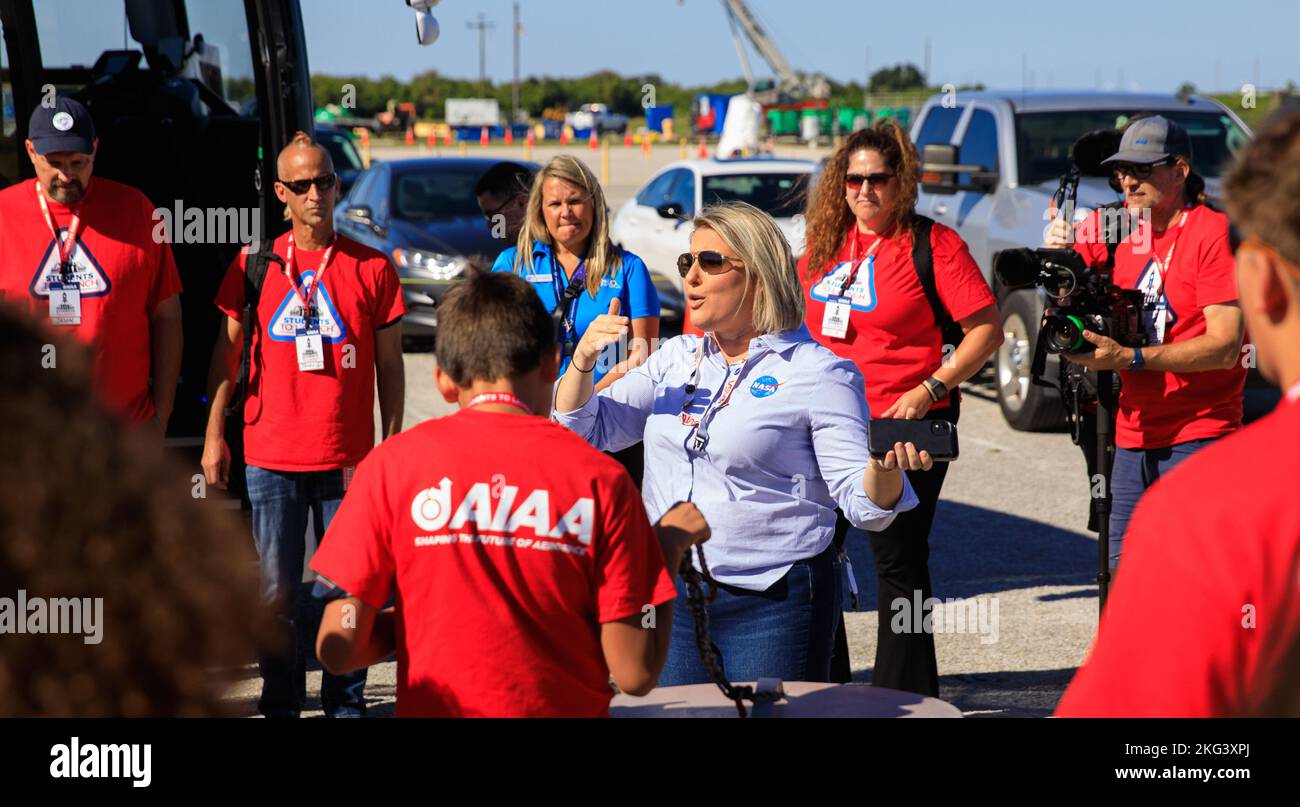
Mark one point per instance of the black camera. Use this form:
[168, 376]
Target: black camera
[1080, 297]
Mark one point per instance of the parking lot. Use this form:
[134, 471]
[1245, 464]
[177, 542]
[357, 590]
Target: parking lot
[1009, 532]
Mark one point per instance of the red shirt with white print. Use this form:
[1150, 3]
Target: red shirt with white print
[316, 420]
[892, 336]
[123, 272]
[1160, 409]
[507, 540]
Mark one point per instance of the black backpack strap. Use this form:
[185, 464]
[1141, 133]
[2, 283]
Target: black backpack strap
[256, 265]
[923, 263]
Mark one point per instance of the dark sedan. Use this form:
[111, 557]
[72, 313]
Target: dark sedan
[422, 214]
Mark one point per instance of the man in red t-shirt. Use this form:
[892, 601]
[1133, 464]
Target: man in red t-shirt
[1184, 389]
[1205, 620]
[326, 326]
[80, 252]
[523, 567]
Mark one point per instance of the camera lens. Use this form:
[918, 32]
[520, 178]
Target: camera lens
[1065, 334]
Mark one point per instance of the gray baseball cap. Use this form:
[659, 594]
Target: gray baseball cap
[1150, 140]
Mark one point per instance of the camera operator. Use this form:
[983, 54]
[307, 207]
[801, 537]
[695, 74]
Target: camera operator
[1231, 647]
[1184, 389]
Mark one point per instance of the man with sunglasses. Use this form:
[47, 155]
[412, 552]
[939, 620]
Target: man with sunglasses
[1220, 536]
[502, 194]
[325, 328]
[1184, 388]
[82, 252]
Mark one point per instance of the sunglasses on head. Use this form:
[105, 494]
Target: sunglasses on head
[854, 181]
[1138, 170]
[713, 263]
[301, 186]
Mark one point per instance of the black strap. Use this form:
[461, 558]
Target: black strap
[923, 263]
[255, 269]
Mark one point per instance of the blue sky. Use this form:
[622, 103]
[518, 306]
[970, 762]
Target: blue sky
[1150, 46]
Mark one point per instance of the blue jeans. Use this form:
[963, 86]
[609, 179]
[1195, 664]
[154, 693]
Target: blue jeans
[1135, 470]
[281, 501]
[786, 632]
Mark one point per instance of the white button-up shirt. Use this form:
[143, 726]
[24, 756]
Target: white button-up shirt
[766, 466]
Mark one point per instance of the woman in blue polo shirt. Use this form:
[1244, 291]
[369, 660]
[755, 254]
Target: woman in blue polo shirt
[566, 255]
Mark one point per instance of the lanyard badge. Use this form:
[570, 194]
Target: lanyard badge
[1156, 303]
[700, 434]
[308, 343]
[839, 307]
[566, 301]
[65, 293]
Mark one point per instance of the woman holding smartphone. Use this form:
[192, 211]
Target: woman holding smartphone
[914, 341]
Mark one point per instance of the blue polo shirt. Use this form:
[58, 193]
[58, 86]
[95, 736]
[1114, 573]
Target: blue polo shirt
[630, 283]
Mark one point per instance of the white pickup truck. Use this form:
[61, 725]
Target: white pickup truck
[1021, 142]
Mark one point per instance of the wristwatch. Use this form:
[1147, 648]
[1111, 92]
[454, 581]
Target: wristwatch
[1138, 362]
[937, 389]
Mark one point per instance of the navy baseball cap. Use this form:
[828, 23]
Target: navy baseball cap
[65, 126]
[1150, 140]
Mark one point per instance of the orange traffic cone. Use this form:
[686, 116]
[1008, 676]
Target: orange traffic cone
[704, 150]
[446, 137]
[627, 138]
[645, 145]
[410, 137]
[531, 140]
[510, 136]
[593, 142]
[483, 136]
[431, 140]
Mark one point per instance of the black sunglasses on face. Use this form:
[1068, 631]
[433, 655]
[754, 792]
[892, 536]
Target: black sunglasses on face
[854, 181]
[713, 263]
[489, 214]
[1137, 170]
[301, 186]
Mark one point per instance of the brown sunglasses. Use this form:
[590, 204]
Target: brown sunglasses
[713, 263]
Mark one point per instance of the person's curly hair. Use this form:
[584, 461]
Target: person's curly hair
[90, 509]
[828, 216]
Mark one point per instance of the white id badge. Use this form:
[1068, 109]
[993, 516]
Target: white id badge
[65, 303]
[835, 322]
[1161, 319]
[540, 277]
[311, 350]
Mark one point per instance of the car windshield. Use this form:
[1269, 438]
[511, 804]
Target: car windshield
[1044, 139]
[440, 192]
[778, 195]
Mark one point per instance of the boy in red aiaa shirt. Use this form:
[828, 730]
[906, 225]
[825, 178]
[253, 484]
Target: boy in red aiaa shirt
[521, 562]
[326, 328]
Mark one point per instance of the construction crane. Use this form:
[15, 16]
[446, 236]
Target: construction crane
[789, 84]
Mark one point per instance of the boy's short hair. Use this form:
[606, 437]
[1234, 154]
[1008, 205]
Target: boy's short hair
[505, 179]
[492, 325]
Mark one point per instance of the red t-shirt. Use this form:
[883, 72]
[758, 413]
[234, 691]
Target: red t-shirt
[123, 271]
[1162, 409]
[892, 336]
[508, 540]
[324, 419]
[1207, 604]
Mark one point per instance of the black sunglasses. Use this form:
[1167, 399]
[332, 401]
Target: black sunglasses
[1138, 170]
[713, 263]
[489, 214]
[854, 181]
[301, 186]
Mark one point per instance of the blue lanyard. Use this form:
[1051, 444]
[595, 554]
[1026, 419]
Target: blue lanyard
[573, 291]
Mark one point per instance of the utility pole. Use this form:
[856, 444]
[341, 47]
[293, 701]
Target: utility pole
[482, 25]
[514, 91]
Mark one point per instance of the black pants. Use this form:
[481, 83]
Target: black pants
[904, 661]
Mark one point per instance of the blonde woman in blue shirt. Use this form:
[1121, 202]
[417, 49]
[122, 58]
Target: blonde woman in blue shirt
[765, 431]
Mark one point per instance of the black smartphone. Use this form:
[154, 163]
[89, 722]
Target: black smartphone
[939, 437]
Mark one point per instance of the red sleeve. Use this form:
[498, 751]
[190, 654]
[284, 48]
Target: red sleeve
[961, 286]
[1216, 276]
[167, 281]
[630, 571]
[354, 553]
[387, 286]
[230, 296]
[1087, 239]
[1144, 661]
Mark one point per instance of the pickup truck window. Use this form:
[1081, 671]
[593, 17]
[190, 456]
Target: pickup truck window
[980, 146]
[1043, 139]
[938, 126]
